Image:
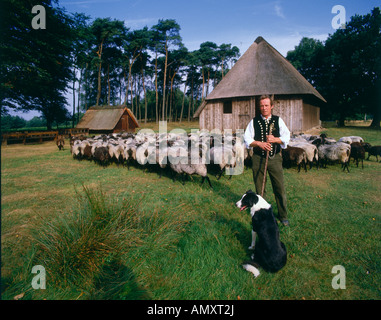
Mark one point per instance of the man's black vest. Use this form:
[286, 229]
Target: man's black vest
[261, 129]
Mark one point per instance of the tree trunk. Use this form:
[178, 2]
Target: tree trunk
[190, 101]
[376, 119]
[129, 77]
[79, 94]
[203, 84]
[137, 94]
[157, 93]
[124, 80]
[108, 84]
[128, 85]
[207, 84]
[99, 72]
[222, 68]
[120, 90]
[171, 95]
[166, 108]
[73, 118]
[145, 97]
[341, 121]
[47, 114]
[182, 105]
[132, 93]
[86, 86]
[99, 84]
[165, 78]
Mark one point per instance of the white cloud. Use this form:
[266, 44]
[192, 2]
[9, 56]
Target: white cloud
[140, 23]
[279, 11]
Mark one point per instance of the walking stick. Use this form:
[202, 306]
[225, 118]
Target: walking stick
[266, 162]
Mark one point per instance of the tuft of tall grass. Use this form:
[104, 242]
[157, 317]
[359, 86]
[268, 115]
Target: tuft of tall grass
[76, 246]
[102, 243]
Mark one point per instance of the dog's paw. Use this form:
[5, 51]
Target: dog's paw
[252, 257]
[251, 269]
[251, 247]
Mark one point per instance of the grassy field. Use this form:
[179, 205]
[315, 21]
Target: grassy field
[115, 233]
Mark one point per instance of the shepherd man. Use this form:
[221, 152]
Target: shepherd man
[268, 145]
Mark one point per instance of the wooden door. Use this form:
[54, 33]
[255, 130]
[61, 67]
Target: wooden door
[125, 122]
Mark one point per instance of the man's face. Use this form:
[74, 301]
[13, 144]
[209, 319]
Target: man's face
[266, 107]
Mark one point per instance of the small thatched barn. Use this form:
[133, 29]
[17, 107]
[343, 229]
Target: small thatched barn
[261, 70]
[108, 119]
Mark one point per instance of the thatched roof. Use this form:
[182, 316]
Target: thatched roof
[104, 117]
[261, 70]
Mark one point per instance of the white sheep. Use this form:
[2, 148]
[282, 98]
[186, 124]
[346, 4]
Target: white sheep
[223, 157]
[310, 149]
[351, 139]
[129, 154]
[146, 154]
[75, 150]
[184, 163]
[192, 166]
[78, 148]
[116, 152]
[240, 153]
[347, 140]
[356, 139]
[339, 151]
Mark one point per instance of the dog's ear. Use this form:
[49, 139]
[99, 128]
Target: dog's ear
[255, 198]
[250, 198]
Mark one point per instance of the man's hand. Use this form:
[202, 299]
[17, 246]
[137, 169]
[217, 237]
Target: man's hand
[273, 139]
[266, 146]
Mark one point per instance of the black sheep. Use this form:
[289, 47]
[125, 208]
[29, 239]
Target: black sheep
[102, 156]
[373, 151]
[357, 153]
[296, 155]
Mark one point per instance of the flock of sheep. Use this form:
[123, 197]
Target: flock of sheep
[177, 153]
[320, 150]
[200, 153]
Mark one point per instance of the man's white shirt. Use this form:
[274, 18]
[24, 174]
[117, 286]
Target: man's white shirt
[283, 131]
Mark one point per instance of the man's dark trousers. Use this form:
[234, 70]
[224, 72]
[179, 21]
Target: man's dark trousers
[275, 171]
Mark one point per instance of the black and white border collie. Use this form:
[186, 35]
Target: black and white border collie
[269, 253]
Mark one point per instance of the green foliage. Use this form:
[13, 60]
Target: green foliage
[35, 64]
[16, 123]
[12, 122]
[305, 58]
[346, 69]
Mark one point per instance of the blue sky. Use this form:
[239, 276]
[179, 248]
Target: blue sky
[239, 22]
[282, 23]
